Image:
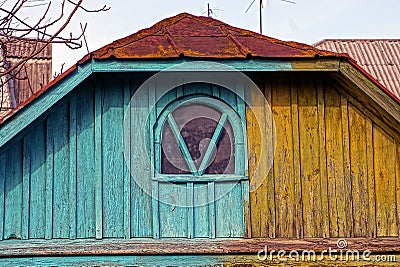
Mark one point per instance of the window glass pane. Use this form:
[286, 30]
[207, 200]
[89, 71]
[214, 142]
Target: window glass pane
[197, 124]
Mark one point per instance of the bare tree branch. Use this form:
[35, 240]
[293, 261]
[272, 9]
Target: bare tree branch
[38, 33]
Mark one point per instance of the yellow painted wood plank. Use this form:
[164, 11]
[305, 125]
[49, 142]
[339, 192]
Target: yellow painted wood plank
[283, 160]
[346, 167]
[262, 204]
[398, 182]
[322, 158]
[296, 161]
[335, 172]
[270, 134]
[384, 159]
[309, 153]
[358, 171]
[371, 181]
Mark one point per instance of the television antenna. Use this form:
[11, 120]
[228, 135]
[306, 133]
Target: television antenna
[211, 12]
[262, 6]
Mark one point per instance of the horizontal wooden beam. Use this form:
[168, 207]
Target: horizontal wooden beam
[21, 248]
[253, 65]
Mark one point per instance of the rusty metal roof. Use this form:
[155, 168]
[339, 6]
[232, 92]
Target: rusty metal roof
[379, 57]
[186, 35]
[190, 36]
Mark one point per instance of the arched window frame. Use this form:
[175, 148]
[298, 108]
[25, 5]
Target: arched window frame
[239, 136]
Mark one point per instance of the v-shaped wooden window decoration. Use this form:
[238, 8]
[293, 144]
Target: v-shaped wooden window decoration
[200, 143]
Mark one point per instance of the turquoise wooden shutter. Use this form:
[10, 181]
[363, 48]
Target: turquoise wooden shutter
[200, 201]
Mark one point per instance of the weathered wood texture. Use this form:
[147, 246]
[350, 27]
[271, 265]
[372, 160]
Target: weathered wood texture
[335, 171]
[146, 246]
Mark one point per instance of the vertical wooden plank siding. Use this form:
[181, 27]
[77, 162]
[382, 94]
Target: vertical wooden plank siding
[283, 161]
[61, 172]
[211, 209]
[98, 160]
[141, 202]
[113, 162]
[49, 179]
[309, 152]
[322, 157]
[335, 172]
[241, 107]
[3, 160]
[348, 205]
[72, 167]
[298, 205]
[371, 181]
[13, 188]
[200, 212]
[190, 209]
[157, 162]
[385, 187]
[26, 159]
[397, 144]
[85, 170]
[358, 159]
[127, 162]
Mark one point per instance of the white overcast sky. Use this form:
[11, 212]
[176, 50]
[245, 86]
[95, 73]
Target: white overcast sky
[307, 21]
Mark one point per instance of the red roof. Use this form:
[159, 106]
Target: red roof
[190, 36]
[185, 35]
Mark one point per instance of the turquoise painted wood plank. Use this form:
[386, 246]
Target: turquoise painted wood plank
[190, 209]
[13, 197]
[215, 90]
[211, 209]
[156, 209]
[37, 202]
[154, 65]
[127, 161]
[72, 167]
[155, 162]
[229, 210]
[3, 161]
[113, 162]
[98, 159]
[173, 216]
[49, 179]
[228, 97]
[164, 100]
[201, 212]
[197, 88]
[141, 201]
[59, 131]
[26, 175]
[179, 91]
[86, 179]
[26, 116]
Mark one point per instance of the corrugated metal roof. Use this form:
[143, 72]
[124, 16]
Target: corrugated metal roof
[379, 57]
[191, 36]
[35, 74]
[23, 48]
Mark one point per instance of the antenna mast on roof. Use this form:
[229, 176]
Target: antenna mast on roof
[261, 7]
[209, 11]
